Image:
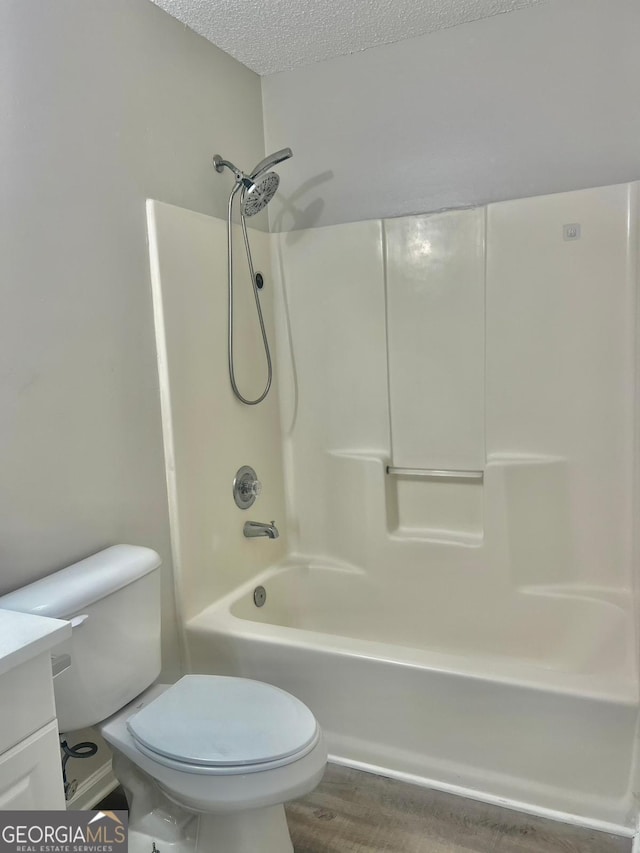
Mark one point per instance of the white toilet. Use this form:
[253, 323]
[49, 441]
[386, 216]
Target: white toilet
[207, 763]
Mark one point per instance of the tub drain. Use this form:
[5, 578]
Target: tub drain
[259, 596]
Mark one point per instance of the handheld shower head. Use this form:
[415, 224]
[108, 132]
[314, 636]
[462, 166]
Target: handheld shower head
[270, 161]
[256, 191]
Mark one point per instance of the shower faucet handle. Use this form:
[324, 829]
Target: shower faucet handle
[246, 487]
[251, 488]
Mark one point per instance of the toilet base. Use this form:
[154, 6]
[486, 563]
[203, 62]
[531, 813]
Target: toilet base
[263, 830]
[157, 821]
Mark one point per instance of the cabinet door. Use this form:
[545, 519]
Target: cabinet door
[30, 773]
[32, 706]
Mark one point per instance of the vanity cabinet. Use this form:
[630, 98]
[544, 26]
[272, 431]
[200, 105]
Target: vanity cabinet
[30, 766]
[30, 774]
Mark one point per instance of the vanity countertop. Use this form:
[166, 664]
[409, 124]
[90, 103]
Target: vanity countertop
[23, 636]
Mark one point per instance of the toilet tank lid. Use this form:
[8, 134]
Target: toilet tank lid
[65, 592]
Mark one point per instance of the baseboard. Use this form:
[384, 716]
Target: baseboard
[491, 799]
[94, 788]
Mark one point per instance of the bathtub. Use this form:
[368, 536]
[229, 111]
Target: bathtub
[531, 705]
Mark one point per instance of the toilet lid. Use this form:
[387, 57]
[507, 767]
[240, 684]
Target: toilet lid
[214, 721]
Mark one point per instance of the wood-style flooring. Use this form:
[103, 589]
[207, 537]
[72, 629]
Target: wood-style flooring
[355, 812]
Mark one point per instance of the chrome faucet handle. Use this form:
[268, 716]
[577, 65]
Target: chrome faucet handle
[246, 487]
[250, 488]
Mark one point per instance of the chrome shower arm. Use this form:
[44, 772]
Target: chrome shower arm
[220, 164]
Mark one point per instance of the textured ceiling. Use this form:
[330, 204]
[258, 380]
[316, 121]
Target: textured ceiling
[277, 35]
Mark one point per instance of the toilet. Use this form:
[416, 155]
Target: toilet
[207, 763]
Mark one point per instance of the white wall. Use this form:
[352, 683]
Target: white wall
[541, 100]
[102, 104]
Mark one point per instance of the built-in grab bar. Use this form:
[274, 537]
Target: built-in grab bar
[434, 473]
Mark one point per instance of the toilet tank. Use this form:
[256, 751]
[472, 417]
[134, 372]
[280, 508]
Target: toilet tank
[112, 600]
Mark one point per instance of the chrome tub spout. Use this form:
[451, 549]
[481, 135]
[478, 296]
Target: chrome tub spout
[252, 529]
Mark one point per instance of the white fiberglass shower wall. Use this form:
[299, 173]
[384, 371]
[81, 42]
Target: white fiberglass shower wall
[487, 344]
[474, 631]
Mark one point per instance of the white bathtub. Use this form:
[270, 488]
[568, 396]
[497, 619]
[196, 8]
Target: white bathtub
[536, 708]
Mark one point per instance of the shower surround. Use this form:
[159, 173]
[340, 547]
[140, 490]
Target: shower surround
[477, 631]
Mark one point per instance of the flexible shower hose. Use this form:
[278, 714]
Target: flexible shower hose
[263, 331]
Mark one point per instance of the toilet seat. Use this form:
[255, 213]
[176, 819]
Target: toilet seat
[224, 791]
[216, 725]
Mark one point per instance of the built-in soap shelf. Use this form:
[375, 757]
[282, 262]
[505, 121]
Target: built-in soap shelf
[436, 537]
[434, 473]
[441, 505]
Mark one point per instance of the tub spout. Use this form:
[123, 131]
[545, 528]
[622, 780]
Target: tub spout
[257, 528]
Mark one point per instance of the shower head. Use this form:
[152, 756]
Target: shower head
[270, 161]
[258, 188]
[257, 196]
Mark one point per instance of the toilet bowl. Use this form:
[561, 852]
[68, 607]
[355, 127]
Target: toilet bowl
[207, 763]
